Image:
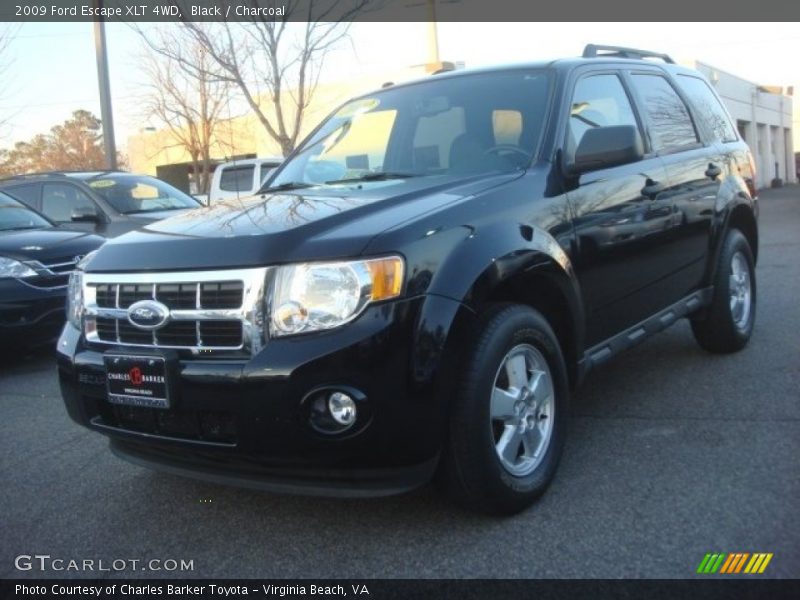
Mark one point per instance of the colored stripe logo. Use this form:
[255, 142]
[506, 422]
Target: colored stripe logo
[734, 562]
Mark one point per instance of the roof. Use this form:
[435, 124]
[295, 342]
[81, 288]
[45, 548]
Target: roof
[593, 54]
[252, 161]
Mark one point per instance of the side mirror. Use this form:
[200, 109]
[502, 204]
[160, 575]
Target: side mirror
[85, 214]
[604, 147]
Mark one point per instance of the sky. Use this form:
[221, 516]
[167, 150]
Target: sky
[53, 69]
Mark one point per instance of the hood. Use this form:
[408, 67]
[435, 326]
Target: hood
[328, 222]
[47, 245]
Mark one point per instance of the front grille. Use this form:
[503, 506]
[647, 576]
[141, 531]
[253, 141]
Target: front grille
[223, 294]
[52, 275]
[208, 311]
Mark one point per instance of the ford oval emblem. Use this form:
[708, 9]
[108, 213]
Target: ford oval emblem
[148, 314]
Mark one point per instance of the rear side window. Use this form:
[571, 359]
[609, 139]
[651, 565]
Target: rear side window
[598, 101]
[669, 123]
[709, 111]
[237, 179]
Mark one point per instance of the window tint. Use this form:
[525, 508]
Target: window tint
[60, 200]
[598, 101]
[237, 179]
[708, 108]
[669, 123]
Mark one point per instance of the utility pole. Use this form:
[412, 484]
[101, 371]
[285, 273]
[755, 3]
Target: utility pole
[109, 146]
[433, 34]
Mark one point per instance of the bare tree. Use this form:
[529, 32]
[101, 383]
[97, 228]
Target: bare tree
[277, 60]
[186, 95]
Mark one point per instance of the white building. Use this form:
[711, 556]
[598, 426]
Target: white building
[763, 117]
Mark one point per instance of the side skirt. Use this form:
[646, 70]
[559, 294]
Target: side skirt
[632, 336]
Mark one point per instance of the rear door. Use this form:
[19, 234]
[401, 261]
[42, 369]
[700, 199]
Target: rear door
[617, 256]
[694, 167]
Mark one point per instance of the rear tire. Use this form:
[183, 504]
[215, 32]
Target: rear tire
[727, 324]
[508, 416]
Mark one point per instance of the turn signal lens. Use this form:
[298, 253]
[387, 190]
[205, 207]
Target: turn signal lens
[387, 277]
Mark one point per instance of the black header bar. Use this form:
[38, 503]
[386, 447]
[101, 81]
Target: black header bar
[400, 10]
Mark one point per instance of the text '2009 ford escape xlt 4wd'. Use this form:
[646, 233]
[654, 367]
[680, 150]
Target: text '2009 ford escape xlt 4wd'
[422, 284]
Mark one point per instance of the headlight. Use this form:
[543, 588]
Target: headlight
[75, 299]
[318, 296]
[75, 292]
[13, 268]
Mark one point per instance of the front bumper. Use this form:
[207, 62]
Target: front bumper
[30, 314]
[242, 421]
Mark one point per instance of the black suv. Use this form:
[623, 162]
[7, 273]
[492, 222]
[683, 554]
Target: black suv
[108, 203]
[422, 284]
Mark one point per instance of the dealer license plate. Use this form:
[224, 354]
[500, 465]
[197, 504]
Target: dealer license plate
[137, 380]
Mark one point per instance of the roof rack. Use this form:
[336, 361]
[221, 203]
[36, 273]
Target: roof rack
[599, 51]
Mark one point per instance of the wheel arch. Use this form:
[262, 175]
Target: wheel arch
[743, 218]
[551, 293]
[524, 266]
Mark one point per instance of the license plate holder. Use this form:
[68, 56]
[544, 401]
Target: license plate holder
[138, 380]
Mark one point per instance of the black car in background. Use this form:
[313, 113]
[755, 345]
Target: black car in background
[36, 259]
[108, 203]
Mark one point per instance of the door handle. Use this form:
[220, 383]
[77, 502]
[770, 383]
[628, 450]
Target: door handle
[713, 171]
[652, 188]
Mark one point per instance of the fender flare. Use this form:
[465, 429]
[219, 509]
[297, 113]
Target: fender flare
[494, 264]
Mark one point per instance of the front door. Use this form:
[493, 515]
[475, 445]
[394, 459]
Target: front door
[618, 214]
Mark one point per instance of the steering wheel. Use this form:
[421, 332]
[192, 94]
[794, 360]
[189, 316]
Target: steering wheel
[504, 150]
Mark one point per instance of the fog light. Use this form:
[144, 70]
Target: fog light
[342, 408]
[337, 409]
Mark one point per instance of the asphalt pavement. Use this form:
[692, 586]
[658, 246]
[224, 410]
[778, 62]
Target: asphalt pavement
[672, 453]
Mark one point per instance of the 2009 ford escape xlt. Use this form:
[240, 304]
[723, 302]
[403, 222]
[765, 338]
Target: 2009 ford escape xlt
[422, 283]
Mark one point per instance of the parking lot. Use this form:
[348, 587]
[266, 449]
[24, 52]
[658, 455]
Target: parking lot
[672, 453]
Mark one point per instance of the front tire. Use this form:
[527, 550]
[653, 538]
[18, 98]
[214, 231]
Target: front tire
[508, 419]
[727, 324]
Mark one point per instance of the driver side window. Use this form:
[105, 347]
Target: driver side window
[60, 200]
[598, 101]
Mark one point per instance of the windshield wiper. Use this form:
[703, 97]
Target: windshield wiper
[377, 176]
[21, 228]
[289, 185]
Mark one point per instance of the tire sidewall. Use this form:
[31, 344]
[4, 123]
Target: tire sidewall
[736, 242]
[478, 462]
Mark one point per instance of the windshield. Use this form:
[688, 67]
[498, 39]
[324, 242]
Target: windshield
[452, 126]
[139, 193]
[15, 216]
